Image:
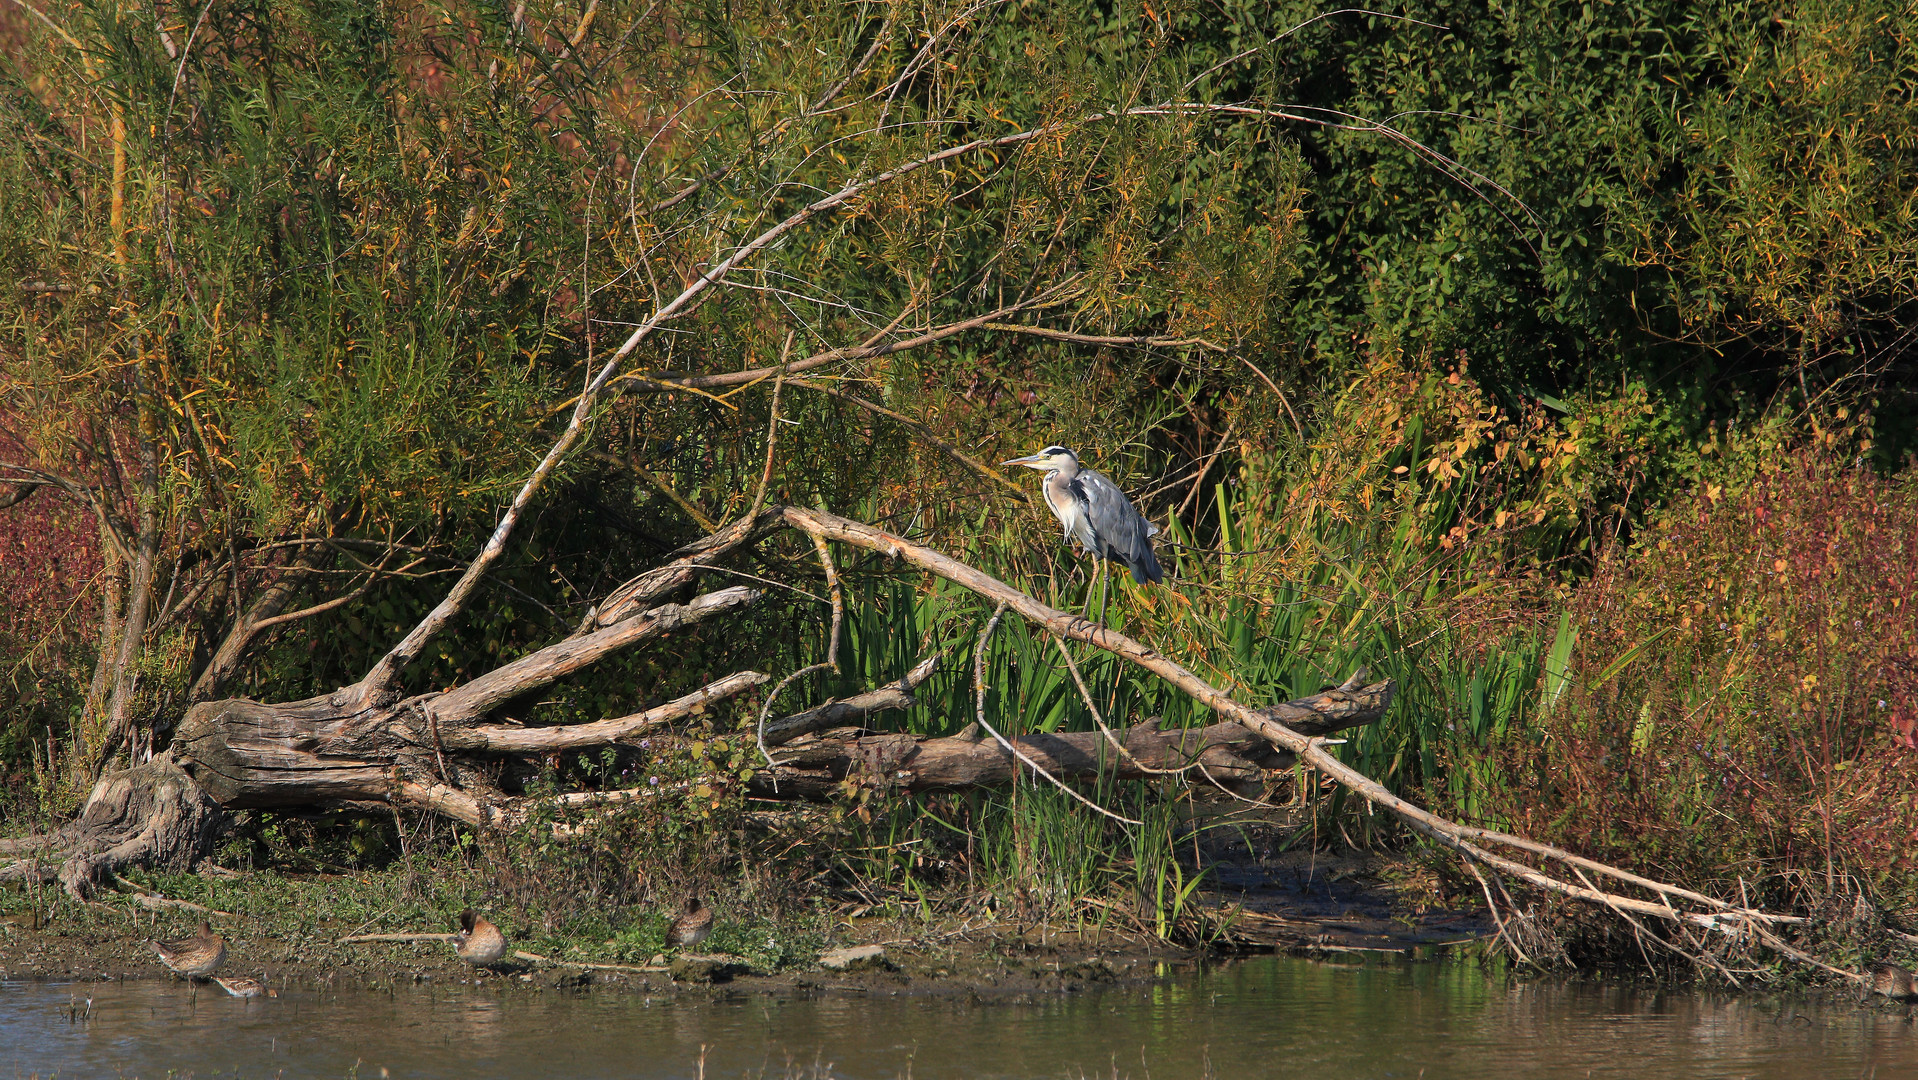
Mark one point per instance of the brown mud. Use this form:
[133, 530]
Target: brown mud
[1260, 902]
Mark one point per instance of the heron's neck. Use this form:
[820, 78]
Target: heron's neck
[1065, 472]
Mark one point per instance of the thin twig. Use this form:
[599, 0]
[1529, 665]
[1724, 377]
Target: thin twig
[1086, 695]
[767, 709]
[979, 698]
[772, 429]
[363, 939]
[1510, 939]
[838, 599]
[156, 902]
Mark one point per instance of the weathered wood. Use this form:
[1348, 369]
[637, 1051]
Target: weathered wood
[150, 815]
[489, 691]
[640, 592]
[503, 739]
[848, 712]
[1225, 753]
[395, 939]
[250, 755]
[346, 750]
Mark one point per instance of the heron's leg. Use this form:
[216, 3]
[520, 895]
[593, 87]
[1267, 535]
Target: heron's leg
[1104, 575]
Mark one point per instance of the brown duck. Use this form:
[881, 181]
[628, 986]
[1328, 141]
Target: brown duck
[196, 957]
[246, 988]
[479, 942]
[1894, 982]
[692, 926]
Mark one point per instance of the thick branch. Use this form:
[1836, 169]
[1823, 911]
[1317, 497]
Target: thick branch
[504, 739]
[19, 495]
[251, 621]
[846, 712]
[118, 531]
[476, 698]
[639, 593]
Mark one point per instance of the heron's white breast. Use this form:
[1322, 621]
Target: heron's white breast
[1070, 512]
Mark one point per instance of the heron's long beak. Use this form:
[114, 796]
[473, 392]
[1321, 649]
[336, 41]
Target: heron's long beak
[1030, 461]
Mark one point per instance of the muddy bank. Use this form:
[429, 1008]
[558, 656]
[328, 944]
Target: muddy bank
[978, 963]
[1310, 902]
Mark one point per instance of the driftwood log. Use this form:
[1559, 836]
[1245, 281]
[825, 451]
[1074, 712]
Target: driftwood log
[1228, 755]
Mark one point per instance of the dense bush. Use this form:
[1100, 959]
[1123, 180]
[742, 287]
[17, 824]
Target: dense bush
[1742, 698]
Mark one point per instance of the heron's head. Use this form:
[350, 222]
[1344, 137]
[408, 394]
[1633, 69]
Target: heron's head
[1052, 457]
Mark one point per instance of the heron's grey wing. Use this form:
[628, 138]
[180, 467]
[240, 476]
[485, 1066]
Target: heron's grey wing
[1123, 532]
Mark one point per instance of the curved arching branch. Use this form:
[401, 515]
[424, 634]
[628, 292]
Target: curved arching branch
[1271, 723]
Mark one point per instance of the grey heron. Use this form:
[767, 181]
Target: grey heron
[1096, 515]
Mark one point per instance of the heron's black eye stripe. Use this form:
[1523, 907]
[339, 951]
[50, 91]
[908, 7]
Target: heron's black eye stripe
[1055, 450]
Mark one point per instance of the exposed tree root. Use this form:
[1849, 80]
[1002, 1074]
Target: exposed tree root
[150, 815]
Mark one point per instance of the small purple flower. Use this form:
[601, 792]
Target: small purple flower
[645, 744]
[653, 780]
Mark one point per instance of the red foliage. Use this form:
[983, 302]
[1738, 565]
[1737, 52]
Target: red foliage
[49, 556]
[1744, 695]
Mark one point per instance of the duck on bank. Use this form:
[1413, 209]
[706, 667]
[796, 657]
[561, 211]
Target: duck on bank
[1894, 982]
[694, 925]
[196, 957]
[479, 942]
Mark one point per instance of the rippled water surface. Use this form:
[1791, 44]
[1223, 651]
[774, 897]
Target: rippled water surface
[1274, 1017]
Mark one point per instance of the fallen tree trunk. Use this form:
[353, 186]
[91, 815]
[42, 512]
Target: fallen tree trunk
[1228, 755]
[349, 750]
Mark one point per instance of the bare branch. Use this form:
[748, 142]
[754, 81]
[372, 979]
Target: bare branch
[118, 530]
[979, 699]
[639, 593]
[19, 495]
[508, 681]
[248, 624]
[844, 712]
[1137, 341]
[772, 429]
[666, 382]
[502, 739]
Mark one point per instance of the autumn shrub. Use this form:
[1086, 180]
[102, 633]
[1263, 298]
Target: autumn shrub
[1740, 704]
[50, 561]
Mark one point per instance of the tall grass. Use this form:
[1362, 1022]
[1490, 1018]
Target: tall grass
[1272, 595]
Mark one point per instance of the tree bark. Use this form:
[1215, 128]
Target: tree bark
[1227, 754]
[153, 814]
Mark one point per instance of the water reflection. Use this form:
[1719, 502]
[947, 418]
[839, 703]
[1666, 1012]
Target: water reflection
[1276, 1017]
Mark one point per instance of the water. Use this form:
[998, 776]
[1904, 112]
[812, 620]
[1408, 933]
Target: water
[1271, 1017]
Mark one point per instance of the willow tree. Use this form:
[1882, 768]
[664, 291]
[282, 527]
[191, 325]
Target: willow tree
[315, 296]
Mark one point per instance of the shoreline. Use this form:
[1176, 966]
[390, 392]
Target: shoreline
[1323, 905]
